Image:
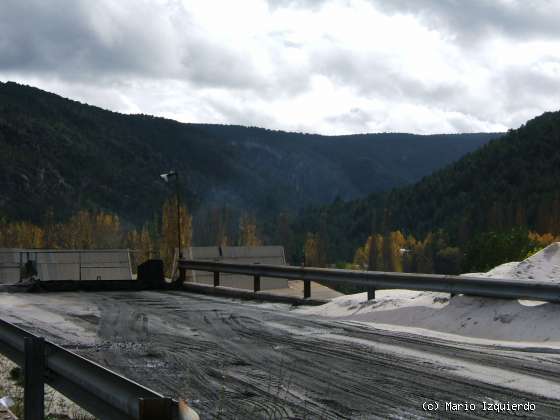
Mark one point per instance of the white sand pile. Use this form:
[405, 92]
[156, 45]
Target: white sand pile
[543, 266]
[516, 321]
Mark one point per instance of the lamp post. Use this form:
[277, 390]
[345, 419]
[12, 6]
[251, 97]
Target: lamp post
[166, 177]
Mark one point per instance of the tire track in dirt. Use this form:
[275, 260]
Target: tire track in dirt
[236, 360]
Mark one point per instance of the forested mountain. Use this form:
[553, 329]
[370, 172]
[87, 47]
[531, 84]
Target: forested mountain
[64, 155]
[513, 181]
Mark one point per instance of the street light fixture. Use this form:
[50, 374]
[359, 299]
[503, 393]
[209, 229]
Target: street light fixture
[166, 177]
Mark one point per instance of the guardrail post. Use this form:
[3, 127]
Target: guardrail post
[371, 294]
[155, 408]
[216, 278]
[257, 284]
[306, 289]
[182, 275]
[34, 371]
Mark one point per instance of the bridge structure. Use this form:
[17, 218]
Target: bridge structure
[109, 395]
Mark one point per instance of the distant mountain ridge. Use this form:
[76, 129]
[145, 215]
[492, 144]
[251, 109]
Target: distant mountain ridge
[511, 181]
[64, 155]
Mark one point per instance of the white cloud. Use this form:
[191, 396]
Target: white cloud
[329, 66]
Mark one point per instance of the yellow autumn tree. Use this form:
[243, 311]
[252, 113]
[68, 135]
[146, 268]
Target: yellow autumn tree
[77, 232]
[220, 219]
[52, 231]
[397, 246]
[142, 244]
[21, 235]
[542, 241]
[3, 229]
[106, 231]
[248, 235]
[314, 251]
[384, 253]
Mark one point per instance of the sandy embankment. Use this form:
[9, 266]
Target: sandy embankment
[519, 322]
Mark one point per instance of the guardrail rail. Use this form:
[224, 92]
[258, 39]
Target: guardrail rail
[100, 391]
[376, 280]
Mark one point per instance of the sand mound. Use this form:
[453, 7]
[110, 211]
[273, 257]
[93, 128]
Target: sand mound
[528, 322]
[543, 266]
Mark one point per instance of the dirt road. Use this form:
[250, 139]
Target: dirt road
[231, 359]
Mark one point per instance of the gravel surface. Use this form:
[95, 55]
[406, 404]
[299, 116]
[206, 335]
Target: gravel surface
[232, 359]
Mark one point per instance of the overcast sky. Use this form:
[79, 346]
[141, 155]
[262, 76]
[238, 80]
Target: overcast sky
[323, 66]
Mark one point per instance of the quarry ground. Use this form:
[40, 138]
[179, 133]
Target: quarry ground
[233, 359]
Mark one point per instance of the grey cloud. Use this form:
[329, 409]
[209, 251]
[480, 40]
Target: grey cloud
[306, 4]
[530, 81]
[526, 92]
[464, 123]
[243, 115]
[468, 20]
[102, 42]
[374, 76]
[209, 65]
[291, 44]
[90, 42]
[355, 120]
[37, 38]
[474, 20]
[58, 36]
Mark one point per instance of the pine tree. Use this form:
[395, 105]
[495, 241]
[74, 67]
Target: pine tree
[387, 251]
[284, 234]
[407, 255]
[376, 253]
[520, 215]
[423, 255]
[52, 230]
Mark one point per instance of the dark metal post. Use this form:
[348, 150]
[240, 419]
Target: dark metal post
[178, 214]
[371, 294]
[257, 284]
[182, 276]
[216, 278]
[34, 371]
[156, 409]
[306, 289]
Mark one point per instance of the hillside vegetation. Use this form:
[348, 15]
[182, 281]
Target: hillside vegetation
[498, 193]
[67, 156]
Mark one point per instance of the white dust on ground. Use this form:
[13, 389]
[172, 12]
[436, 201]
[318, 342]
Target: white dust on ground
[521, 323]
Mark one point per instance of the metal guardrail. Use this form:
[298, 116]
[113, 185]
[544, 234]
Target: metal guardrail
[105, 394]
[375, 280]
